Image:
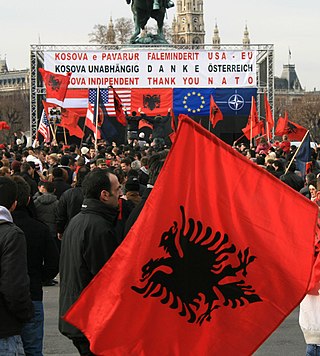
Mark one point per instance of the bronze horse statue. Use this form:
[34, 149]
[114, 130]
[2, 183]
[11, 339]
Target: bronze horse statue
[142, 11]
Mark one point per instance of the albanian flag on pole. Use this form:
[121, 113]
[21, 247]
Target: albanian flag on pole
[56, 85]
[204, 270]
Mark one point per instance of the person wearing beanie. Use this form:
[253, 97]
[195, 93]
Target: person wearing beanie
[85, 154]
[156, 162]
[15, 167]
[60, 181]
[132, 187]
[65, 164]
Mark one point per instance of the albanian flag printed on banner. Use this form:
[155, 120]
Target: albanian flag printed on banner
[152, 102]
[204, 270]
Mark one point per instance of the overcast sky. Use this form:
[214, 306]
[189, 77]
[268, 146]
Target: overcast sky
[285, 23]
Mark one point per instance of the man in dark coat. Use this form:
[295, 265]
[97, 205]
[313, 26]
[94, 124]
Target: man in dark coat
[292, 179]
[159, 126]
[70, 202]
[43, 264]
[133, 126]
[156, 162]
[88, 242]
[59, 181]
[15, 302]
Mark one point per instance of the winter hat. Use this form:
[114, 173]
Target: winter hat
[101, 161]
[132, 184]
[64, 161]
[84, 150]
[15, 165]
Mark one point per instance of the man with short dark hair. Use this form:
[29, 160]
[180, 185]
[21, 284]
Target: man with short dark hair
[43, 261]
[88, 242]
[15, 302]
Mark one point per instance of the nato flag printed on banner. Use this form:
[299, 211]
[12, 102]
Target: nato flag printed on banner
[233, 101]
[193, 101]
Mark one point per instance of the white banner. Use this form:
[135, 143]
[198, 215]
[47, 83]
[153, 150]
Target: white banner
[155, 69]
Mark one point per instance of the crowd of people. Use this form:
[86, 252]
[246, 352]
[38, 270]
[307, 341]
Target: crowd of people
[67, 208]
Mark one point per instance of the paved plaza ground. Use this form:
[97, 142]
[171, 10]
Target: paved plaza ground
[286, 340]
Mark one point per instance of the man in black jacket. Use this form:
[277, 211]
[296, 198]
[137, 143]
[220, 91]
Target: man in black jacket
[43, 265]
[70, 202]
[15, 302]
[88, 242]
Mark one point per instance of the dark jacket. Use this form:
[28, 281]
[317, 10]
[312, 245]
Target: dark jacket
[88, 242]
[293, 180]
[15, 303]
[60, 186]
[42, 251]
[32, 183]
[159, 125]
[69, 206]
[46, 206]
[136, 212]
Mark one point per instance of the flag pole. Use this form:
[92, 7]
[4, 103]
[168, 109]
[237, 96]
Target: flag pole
[65, 136]
[267, 129]
[238, 139]
[294, 156]
[96, 118]
[52, 132]
[83, 129]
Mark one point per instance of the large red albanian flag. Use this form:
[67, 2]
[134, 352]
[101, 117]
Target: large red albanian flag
[212, 266]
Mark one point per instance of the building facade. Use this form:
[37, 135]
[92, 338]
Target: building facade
[13, 80]
[188, 24]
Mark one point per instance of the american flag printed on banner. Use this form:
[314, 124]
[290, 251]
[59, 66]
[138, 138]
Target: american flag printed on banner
[44, 127]
[77, 100]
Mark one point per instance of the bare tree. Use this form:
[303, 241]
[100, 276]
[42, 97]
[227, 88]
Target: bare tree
[124, 30]
[98, 35]
[14, 109]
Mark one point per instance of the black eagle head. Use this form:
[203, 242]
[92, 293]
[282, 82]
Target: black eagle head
[148, 268]
[168, 238]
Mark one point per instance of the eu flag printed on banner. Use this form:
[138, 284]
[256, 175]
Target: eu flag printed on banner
[233, 101]
[193, 101]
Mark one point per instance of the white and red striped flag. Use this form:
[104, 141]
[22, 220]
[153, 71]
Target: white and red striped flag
[77, 100]
[44, 127]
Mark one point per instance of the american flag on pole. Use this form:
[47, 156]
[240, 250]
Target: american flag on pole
[92, 106]
[44, 127]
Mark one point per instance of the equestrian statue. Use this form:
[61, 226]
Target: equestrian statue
[142, 11]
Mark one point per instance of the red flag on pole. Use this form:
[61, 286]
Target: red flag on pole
[120, 115]
[269, 116]
[69, 120]
[206, 261]
[173, 127]
[215, 113]
[294, 131]
[4, 125]
[282, 125]
[254, 126]
[56, 85]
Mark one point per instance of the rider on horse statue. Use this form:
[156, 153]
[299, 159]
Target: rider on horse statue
[156, 5]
